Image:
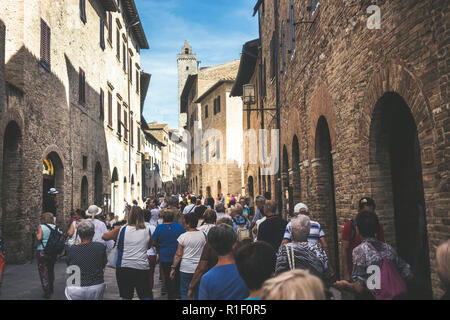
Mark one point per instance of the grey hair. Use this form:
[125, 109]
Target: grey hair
[260, 199]
[86, 229]
[300, 227]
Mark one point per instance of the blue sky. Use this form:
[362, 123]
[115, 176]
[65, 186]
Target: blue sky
[216, 30]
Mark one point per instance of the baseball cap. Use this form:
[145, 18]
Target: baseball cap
[299, 206]
[366, 201]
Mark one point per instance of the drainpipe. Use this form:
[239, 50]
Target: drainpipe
[277, 85]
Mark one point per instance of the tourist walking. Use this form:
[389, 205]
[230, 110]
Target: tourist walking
[208, 221]
[190, 208]
[316, 234]
[220, 212]
[190, 246]
[94, 212]
[72, 233]
[260, 201]
[240, 223]
[351, 239]
[272, 229]
[165, 240]
[151, 253]
[91, 258]
[301, 253]
[207, 261]
[293, 285]
[372, 252]
[46, 262]
[256, 264]
[132, 272]
[223, 282]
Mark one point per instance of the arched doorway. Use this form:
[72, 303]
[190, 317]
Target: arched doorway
[84, 203]
[219, 188]
[115, 192]
[251, 192]
[397, 184]
[98, 185]
[12, 197]
[326, 203]
[53, 177]
[208, 191]
[295, 181]
[287, 188]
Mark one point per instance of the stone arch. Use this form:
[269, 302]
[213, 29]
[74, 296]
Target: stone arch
[115, 191]
[325, 204]
[295, 181]
[53, 179]
[12, 193]
[84, 198]
[322, 106]
[396, 182]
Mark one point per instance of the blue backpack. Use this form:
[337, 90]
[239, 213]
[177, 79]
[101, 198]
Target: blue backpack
[56, 242]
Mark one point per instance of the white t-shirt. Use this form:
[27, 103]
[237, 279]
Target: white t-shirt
[206, 227]
[135, 248]
[221, 215]
[188, 209]
[100, 229]
[155, 216]
[151, 251]
[193, 243]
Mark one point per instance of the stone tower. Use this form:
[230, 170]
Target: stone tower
[187, 65]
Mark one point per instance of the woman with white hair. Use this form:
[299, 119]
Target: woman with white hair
[301, 254]
[90, 259]
[443, 267]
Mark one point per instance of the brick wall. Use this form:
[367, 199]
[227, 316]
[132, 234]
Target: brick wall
[340, 70]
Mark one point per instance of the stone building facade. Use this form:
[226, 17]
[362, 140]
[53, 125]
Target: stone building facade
[152, 182]
[221, 145]
[363, 112]
[54, 122]
[196, 86]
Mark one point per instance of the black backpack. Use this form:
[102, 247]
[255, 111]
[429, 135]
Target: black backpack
[55, 243]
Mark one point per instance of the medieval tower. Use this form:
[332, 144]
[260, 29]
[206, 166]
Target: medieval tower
[187, 65]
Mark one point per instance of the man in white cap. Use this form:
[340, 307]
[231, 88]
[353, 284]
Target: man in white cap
[100, 227]
[316, 233]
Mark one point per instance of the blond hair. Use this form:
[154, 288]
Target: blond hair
[297, 284]
[443, 262]
[47, 218]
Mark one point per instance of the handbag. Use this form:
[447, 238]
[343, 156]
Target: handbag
[74, 239]
[117, 251]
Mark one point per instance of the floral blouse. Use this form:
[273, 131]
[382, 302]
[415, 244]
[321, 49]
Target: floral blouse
[364, 256]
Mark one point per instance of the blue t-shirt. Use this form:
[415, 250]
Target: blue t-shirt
[167, 235]
[223, 283]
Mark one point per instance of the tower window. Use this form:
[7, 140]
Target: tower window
[187, 68]
[186, 51]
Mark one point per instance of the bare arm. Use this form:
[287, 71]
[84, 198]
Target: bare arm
[344, 254]
[39, 234]
[71, 230]
[111, 235]
[176, 260]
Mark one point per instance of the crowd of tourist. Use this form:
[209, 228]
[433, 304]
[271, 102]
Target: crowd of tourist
[224, 249]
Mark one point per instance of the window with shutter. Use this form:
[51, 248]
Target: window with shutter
[45, 45]
[82, 87]
[110, 116]
[118, 44]
[125, 125]
[218, 104]
[102, 34]
[132, 132]
[83, 11]
[119, 121]
[273, 64]
[124, 57]
[110, 27]
[130, 70]
[102, 104]
[218, 149]
[291, 28]
[137, 81]
[206, 111]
